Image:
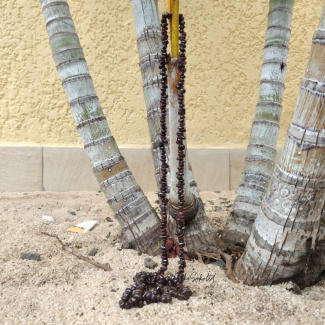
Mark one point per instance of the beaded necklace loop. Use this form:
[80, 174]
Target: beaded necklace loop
[139, 295]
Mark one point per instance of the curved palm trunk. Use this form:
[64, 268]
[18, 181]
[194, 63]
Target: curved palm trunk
[147, 26]
[173, 77]
[287, 240]
[261, 151]
[190, 200]
[132, 209]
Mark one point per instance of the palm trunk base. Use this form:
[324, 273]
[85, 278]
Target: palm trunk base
[190, 211]
[287, 239]
[148, 243]
[315, 269]
[198, 232]
[198, 235]
[238, 227]
[305, 273]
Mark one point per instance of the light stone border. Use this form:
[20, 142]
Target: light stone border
[62, 169]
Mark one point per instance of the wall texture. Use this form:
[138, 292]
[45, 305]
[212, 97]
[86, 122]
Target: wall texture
[225, 46]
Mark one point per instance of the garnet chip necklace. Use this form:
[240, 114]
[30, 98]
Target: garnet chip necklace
[139, 294]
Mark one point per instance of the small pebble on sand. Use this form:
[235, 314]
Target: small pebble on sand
[126, 246]
[93, 252]
[219, 263]
[150, 264]
[48, 218]
[30, 256]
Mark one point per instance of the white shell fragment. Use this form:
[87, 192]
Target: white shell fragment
[83, 226]
[48, 218]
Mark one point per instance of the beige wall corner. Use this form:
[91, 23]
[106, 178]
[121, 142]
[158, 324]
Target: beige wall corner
[20, 169]
[67, 169]
[210, 168]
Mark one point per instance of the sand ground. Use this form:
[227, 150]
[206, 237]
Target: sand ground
[61, 289]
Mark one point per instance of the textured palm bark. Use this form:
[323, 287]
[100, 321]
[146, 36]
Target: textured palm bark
[190, 201]
[147, 27]
[134, 213]
[287, 239]
[173, 78]
[316, 262]
[198, 232]
[261, 151]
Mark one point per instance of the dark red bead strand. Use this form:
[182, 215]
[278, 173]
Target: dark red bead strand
[181, 149]
[163, 141]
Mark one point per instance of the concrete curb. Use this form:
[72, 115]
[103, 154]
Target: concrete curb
[62, 169]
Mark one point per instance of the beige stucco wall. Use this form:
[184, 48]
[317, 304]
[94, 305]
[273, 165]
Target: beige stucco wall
[225, 46]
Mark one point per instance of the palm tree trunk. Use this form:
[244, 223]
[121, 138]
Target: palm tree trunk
[287, 239]
[316, 262]
[137, 218]
[173, 77]
[147, 28]
[198, 232]
[190, 200]
[261, 151]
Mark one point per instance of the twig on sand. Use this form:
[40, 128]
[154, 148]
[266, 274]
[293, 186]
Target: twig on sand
[213, 256]
[237, 249]
[81, 257]
[199, 257]
[215, 251]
